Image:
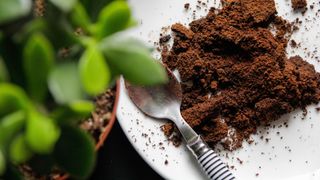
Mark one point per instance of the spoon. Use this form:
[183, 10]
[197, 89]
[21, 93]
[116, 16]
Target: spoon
[163, 102]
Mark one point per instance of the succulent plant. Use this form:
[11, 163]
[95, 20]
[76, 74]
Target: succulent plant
[56, 55]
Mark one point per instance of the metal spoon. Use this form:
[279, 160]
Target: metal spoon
[164, 102]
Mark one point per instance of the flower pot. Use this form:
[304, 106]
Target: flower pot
[103, 136]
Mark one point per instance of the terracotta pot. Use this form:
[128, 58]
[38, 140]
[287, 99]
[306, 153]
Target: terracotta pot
[107, 129]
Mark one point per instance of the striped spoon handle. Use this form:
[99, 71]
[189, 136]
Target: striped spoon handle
[210, 162]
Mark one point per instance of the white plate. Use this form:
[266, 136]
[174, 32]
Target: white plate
[292, 155]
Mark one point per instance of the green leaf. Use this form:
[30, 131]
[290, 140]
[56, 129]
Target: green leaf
[2, 163]
[36, 25]
[94, 71]
[58, 29]
[81, 159]
[10, 125]
[41, 133]
[94, 7]
[65, 84]
[19, 152]
[83, 108]
[80, 17]
[12, 98]
[73, 112]
[133, 60]
[132, 23]
[38, 61]
[4, 76]
[64, 5]
[13, 9]
[113, 18]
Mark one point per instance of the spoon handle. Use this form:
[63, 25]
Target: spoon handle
[210, 162]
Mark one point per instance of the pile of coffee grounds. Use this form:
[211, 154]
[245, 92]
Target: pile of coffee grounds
[235, 72]
[298, 4]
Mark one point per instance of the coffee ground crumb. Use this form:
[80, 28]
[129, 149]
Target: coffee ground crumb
[298, 4]
[164, 39]
[293, 43]
[235, 73]
[240, 161]
[187, 6]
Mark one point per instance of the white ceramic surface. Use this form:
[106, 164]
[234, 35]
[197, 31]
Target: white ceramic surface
[294, 154]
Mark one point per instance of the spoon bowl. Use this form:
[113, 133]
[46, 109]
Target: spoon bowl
[163, 102]
[157, 101]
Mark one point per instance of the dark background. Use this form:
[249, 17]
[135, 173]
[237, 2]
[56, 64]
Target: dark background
[118, 160]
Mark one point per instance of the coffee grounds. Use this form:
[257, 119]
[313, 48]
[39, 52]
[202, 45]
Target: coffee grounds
[298, 4]
[235, 73]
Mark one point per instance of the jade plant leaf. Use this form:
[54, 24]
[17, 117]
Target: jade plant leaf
[64, 83]
[41, 133]
[64, 5]
[13, 9]
[36, 25]
[94, 7]
[94, 71]
[113, 18]
[73, 112]
[82, 108]
[80, 160]
[38, 60]
[131, 23]
[2, 163]
[19, 151]
[133, 60]
[80, 17]
[4, 76]
[12, 98]
[11, 125]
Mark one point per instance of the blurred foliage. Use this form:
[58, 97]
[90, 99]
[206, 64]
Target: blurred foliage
[55, 56]
[13, 9]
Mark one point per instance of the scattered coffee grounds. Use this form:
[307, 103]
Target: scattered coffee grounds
[235, 73]
[298, 4]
